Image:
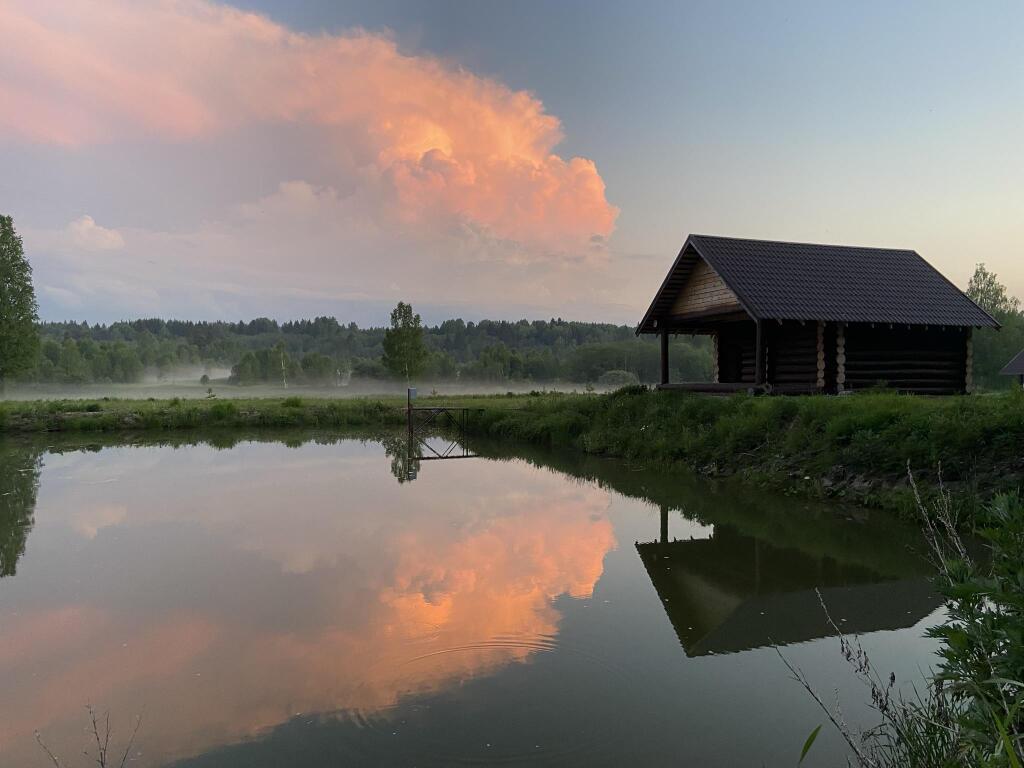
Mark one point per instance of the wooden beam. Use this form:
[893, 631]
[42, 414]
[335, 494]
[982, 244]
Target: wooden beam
[969, 364]
[820, 355]
[714, 353]
[725, 387]
[840, 356]
[664, 357]
[759, 355]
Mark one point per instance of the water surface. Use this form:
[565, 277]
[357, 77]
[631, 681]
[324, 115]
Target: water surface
[306, 603]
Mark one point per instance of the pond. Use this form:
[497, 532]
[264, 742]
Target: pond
[319, 601]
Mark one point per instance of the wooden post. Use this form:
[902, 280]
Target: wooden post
[820, 383]
[664, 357]
[969, 365]
[759, 355]
[714, 352]
[664, 525]
[840, 356]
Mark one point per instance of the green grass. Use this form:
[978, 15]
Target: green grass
[110, 415]
[854, 447]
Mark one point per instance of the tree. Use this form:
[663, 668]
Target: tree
[405, 352]
[988, 293]
[993, 349]
[19, 341]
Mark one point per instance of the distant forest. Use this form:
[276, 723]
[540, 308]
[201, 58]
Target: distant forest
[325, 352]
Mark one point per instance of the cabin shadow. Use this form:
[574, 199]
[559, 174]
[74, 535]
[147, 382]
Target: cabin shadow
[732, 592]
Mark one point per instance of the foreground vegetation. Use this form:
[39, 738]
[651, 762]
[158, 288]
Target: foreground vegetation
[968, 713]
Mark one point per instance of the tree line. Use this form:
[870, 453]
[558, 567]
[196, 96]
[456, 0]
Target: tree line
[324, 351]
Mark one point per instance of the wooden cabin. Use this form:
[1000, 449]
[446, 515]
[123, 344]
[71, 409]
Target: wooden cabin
[1015, 368]
[796, 317]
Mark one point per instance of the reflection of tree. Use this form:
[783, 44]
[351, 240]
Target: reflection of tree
[19, 483]
[405, 464]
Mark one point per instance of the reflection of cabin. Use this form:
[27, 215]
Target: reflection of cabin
[817, 318]
[732, 592]
[1015, 368]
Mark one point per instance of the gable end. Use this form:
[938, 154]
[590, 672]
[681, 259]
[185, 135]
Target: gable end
[704, 291]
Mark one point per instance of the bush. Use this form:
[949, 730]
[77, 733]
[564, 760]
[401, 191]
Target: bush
[292, 402]
[222, 411]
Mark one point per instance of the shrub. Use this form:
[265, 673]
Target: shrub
[223, 410]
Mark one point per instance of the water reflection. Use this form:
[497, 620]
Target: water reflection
[290, 603]
[730, 592]
[408, 450]
[19, 484]
[266, 582]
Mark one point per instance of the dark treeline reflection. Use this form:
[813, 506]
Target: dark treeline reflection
[19, 484]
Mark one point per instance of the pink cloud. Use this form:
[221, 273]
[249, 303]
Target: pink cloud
[443, 145]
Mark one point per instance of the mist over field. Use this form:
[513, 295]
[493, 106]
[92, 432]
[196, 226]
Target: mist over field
[190, 388]
[323, 357]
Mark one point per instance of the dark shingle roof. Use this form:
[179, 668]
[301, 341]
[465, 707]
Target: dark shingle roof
[802, 281]
[1015, 367]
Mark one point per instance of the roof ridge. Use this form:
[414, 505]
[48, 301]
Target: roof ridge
[812, 245]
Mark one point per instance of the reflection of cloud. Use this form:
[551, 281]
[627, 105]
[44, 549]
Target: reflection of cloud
[88, 520]
[368, 598]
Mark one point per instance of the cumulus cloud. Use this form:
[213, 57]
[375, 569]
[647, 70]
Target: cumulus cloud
[429, 147]
[86, 234]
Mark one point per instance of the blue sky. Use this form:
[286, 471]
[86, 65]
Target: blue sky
[895, 124]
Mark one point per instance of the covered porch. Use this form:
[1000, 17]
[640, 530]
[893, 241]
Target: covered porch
[754, 355]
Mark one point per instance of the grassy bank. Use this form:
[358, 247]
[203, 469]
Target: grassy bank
[856, 448]
[109, 415]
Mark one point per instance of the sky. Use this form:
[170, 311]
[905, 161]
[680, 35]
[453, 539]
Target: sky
[193, 159]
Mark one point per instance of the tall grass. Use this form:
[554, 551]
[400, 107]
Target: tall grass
[968, 713]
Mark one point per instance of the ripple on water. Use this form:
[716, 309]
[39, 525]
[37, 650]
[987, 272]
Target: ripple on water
[520, 716]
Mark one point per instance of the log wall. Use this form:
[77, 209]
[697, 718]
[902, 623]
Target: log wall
[923, 360]
[817, 356]
[793, 355]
